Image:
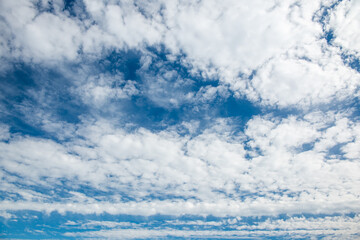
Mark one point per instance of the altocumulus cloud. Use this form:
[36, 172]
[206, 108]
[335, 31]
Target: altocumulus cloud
[179, 119]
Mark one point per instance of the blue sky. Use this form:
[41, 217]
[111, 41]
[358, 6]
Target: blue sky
[179, 119]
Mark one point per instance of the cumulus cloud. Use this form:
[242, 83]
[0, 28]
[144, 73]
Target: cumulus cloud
[200, 28]
[343, 23]
[213, 168]
[295, 80]
[40, 36]
[197, 30]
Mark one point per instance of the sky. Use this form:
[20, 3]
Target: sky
[204, 119]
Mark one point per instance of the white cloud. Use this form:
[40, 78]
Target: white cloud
[50, 37]
[295, 80]
[352, 149]
[120, 25]
[40, 36]
[228, 35]
[7, 215]
[266, 167]
[344, 21]
[163, 85]
[169, 88]
[99, 90]
[298, 227]
[295, 164]
[226, 40]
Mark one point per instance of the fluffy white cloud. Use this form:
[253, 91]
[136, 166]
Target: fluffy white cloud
[49, 37]
[273, 166]
[228, 40]
[293, 79]
[344, 22]
[280, 41]
[37, 34]
[120, 25]
[40, 36]
[229, 34]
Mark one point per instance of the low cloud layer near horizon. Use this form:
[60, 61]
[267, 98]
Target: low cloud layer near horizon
[180, 119]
